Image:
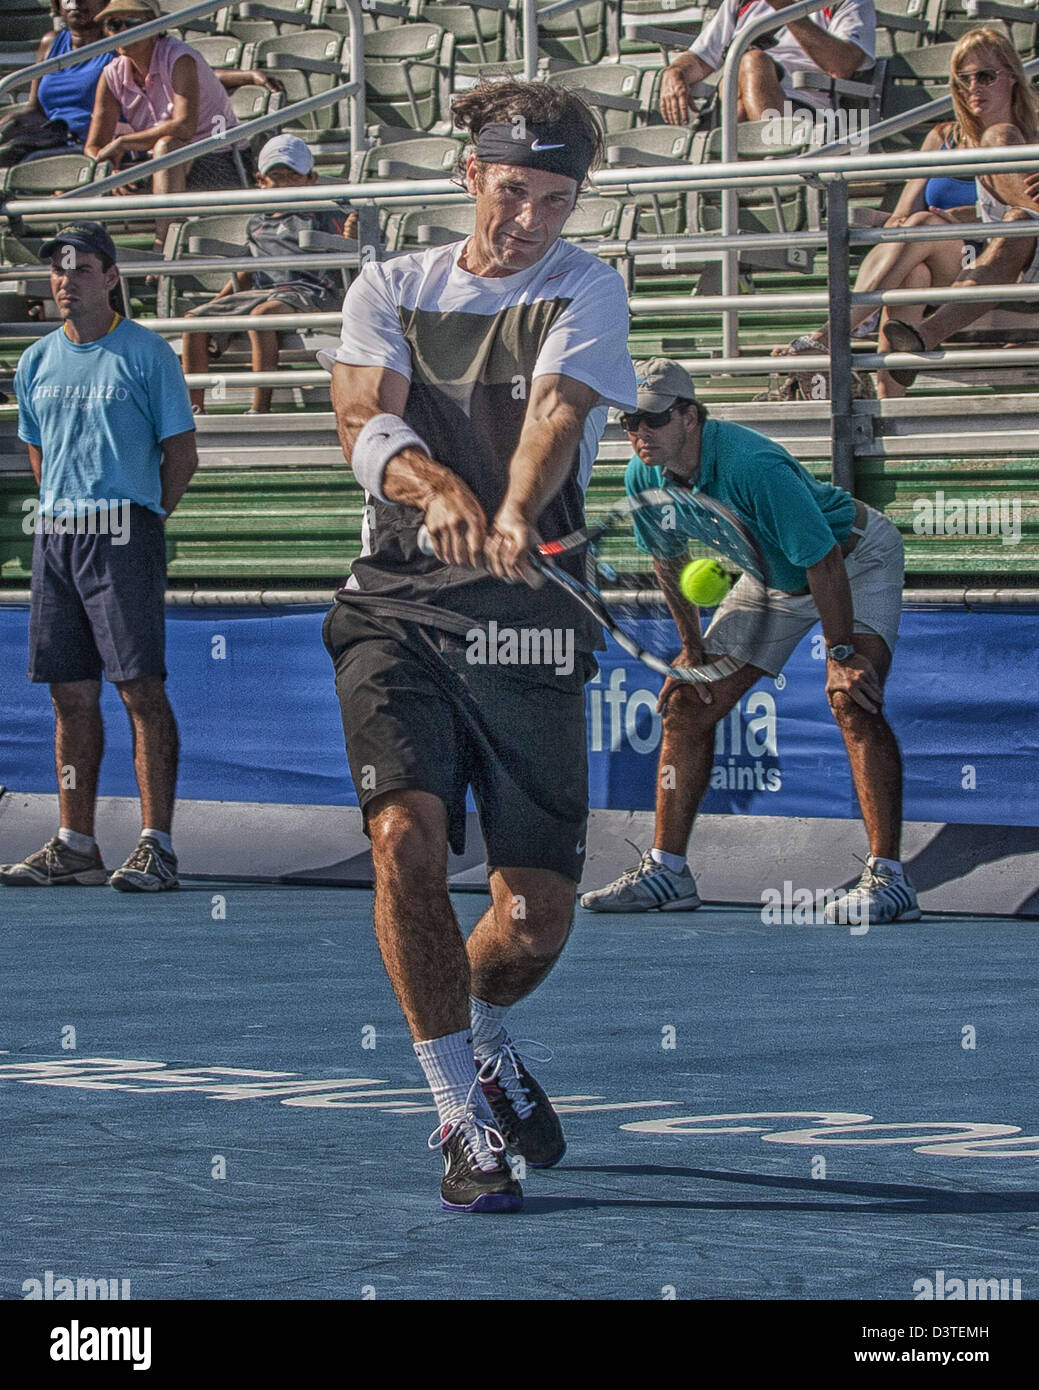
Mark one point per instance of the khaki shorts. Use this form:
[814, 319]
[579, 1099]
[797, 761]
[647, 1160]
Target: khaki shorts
[876, 570]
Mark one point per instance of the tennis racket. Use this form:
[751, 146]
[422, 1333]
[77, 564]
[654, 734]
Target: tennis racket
[634, 557]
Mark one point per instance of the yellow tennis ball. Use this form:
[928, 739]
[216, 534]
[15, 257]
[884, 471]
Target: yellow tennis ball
[704, 583]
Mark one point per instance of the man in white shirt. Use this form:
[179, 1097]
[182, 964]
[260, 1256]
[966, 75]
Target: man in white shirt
[836, 41]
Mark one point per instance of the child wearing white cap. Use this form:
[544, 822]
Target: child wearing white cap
[283, 162]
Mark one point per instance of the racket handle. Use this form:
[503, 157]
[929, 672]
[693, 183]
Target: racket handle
[425, 542]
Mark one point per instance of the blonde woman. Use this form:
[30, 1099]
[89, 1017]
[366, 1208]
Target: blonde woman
[993, 105]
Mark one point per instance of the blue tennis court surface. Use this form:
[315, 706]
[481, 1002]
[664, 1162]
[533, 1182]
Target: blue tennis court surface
[212, 1095]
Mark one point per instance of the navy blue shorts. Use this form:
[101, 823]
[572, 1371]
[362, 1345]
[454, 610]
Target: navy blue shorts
[98, 605]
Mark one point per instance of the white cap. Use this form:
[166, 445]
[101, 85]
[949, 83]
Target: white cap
[286, 149]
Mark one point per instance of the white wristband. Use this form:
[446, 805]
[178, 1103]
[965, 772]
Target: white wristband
[382, 437]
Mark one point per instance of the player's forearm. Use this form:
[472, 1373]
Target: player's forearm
[828, 583]
[544, 458]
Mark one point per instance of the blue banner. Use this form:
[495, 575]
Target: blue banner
[259, 721]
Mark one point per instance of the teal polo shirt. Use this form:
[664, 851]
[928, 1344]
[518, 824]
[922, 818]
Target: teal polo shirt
[795, 518]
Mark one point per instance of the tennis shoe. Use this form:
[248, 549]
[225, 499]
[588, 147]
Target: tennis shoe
[476, 1176]
[879, 896]
[524, 1114]
[56, 865]
[649, 887]
[149, 869]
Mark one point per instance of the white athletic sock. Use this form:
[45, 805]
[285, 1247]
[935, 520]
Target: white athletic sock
[162, 837]
[489, 1030]
[450, 1070]
[893, 866]
[674, 862]
[82, 844]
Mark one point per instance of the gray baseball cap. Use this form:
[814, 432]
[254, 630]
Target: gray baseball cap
[661, 382]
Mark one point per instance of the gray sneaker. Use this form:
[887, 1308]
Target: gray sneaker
[877, 897]
[149, 869]
[650, 887]
[56, 865]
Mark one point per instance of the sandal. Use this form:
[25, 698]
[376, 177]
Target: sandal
[911, 342]
[813, 386]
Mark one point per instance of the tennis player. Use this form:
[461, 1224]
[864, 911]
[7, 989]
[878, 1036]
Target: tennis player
[470, 389]
[104, 410]
[830, 558]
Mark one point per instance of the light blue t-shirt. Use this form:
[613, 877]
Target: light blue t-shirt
[99, 412]
[795, 518]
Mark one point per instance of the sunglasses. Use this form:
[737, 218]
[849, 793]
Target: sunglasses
[116, 26]
[655, 419]
[984, 77]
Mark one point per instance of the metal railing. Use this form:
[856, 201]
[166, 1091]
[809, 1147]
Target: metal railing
[834, 173]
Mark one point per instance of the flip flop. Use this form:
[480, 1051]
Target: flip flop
[911, 342]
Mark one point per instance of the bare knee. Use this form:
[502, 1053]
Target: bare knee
[854, 722]
[74, 699]
[145, 697]
[409, 836]
[536, 906]
[686, 716]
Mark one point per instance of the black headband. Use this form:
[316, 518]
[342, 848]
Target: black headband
[542, 146]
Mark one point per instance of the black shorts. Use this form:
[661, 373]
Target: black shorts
[99, 605]
[418, 716]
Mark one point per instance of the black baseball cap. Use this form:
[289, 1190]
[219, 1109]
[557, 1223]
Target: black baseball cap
[84, 236]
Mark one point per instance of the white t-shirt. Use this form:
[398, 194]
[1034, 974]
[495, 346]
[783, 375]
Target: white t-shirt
[471, 346]
[855, 21]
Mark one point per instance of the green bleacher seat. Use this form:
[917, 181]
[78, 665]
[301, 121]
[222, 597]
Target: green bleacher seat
[306, 63]
[408, 74]
[579, 35]
[478, 28]
[660, 214]
[615, 90]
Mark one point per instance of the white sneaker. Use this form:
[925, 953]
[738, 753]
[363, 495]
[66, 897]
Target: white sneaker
[879, 896]
[650, 887]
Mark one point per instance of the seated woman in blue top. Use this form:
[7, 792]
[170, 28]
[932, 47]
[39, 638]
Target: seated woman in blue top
[991, 95]
[57, 113]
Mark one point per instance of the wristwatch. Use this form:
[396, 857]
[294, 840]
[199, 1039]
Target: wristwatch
[840, 652]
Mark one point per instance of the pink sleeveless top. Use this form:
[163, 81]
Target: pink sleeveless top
[142, 109]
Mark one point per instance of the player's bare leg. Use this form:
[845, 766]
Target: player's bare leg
[425, 959]
[79, 742]
[511, 950]
[521, 935]
[415, 924]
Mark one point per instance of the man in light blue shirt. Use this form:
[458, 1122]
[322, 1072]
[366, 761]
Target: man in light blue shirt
[828, 558]
[104, 410]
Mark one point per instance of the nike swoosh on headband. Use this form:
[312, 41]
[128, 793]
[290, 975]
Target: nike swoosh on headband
[537, 146]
